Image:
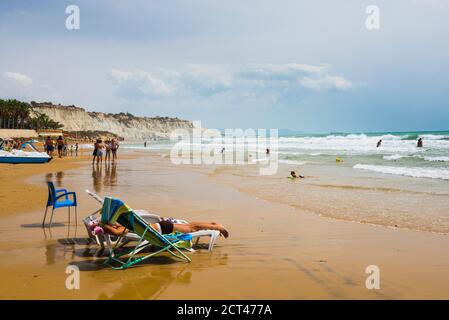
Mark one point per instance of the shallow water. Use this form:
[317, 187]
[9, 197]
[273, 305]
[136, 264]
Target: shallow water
[395, 185]
[355, 195]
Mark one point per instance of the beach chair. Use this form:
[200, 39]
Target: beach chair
[59, 198]
[149, 218]
[100, 240]
[113, 211]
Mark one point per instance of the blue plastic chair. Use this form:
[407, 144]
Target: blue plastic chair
[59, 198]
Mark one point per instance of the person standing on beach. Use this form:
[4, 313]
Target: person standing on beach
[107, 146]
[49, 146]
[76, 149]
[98, 152]
[114, 148]
[60, 145]
[419, 144]
[379, 143]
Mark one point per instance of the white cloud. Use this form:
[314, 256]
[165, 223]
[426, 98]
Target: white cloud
[247, 80]
[17, 79]
[211, 76]
[326, 82]
[286, 69]
[14, 85]
[140, 82]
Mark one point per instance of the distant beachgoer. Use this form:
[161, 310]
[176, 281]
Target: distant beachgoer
[76, 149]
[49, 146]
[145, 144]
[379, 143]
[268, 151]
[98, 152]
[222, 150]
[107, 146]
[419, 144]
[60, 144]
[17, 144]
[294, 176]
[114, 148]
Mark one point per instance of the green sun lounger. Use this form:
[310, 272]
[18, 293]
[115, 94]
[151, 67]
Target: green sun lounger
[113, 211]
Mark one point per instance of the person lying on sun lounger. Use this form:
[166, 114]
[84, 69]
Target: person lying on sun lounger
[166, 227]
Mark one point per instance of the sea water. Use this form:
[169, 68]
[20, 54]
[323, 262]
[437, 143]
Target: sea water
[395, 185]
[397, 155]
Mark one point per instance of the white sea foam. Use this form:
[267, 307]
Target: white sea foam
[433, 136]
[293, 162]
[393, 157]
[434, 173]
[439, 159]
[360, 144]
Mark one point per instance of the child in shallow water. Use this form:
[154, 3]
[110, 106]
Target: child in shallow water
[294, 176]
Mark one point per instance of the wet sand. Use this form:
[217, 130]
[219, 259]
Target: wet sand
[275, 251]
[17, 196]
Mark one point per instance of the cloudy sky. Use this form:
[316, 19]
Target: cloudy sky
[304, 65]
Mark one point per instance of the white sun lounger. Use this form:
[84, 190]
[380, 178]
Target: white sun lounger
[148, 217]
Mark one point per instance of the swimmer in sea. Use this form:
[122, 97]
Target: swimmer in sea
[379, 143]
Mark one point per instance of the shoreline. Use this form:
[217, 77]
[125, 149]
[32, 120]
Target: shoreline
[274, 251]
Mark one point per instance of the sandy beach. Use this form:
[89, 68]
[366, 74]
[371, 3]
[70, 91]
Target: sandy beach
[275, 250]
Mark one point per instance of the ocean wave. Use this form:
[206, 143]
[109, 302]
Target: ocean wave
[433, 173]
[293, 162]
[393, 157]
[439, 159]
[434, 137]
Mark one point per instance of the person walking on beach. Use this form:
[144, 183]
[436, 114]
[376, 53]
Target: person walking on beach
[49, 146]
[379, 143]
[114, 148]
[60, 145]
[76, 149]
[419, 144]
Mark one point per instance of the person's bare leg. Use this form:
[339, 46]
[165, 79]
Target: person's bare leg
[197, 226]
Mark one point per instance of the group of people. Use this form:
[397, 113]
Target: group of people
[105, 149]
[61, 145]
[419, 143]
[11, 144]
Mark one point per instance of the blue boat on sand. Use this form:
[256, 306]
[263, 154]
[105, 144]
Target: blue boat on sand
[22, 156]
